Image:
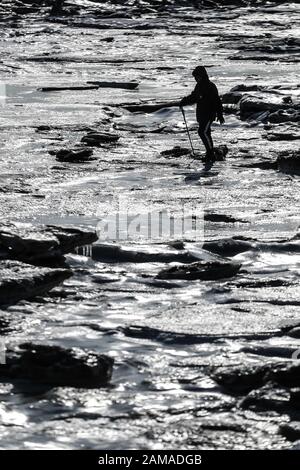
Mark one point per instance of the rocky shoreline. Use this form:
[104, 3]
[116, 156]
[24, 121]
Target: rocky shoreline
[162, 343]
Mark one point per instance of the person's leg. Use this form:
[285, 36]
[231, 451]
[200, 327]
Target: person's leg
[205, 135]
[210, 137]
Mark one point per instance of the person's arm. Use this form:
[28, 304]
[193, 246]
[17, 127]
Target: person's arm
[220, 115]
[190, 99]
[219, 108]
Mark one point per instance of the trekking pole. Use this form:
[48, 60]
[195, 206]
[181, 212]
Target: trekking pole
[188, 132]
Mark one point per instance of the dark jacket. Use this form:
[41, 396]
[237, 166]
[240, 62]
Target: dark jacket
[207, 98]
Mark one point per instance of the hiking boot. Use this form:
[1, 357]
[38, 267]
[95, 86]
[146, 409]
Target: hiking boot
[210, 157]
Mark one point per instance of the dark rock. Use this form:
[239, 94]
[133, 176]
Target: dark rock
[249, 106]
[220, 152]
[107, 39]
[229, 246]
[70, 238]
[292, 86]
[262, 283]
[294, 332]
[261, 116]
[20, 281]
[291, 430]
[56, 366]
[266, 58]
[289, 164]
[68, 88]
[65, 127]
[240, 379]
[231, 108]
[117, 254]
[268, 397]
[122, 85]
[243, 87]
[219, 218]
[269, 351]
[285, 374]
[287, 115]
[232, 97]
[23, 8]
[150, 108]
[278, 136]
[295, 398]
[177, 244]
[205, 271]
[98, 279]
[176, 152]
[287, 99]
[43, 128]
[74, 156]
[41, 245]
[96, 139]
[246, 378]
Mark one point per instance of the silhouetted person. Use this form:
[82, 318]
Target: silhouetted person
[209, 107]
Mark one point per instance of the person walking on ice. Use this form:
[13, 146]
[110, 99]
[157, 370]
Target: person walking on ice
[209, 108]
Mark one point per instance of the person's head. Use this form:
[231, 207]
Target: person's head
[200, 74]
